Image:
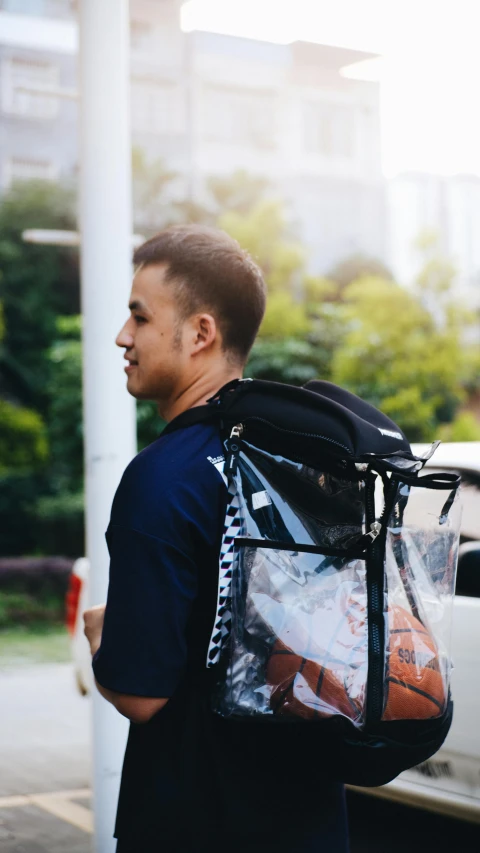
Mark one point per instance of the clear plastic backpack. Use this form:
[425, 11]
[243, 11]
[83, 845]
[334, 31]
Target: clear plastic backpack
[337, 577]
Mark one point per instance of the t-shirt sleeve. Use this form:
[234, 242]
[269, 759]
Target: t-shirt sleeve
[154, 581]
[152, 586]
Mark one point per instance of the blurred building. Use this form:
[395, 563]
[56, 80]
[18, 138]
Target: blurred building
[448, 207]
[208, 104]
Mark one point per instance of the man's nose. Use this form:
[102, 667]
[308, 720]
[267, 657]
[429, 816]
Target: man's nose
[124, 338]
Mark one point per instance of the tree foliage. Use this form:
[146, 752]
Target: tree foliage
[355, 267]
[152, 187]
[239, 192]
[23, 443]
[465, 427]
[65, 423]
[289, 360]
[396, 356]
[37, 283]
[264, 232]
[65, 419]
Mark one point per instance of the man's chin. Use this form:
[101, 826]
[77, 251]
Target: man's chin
[138, 392]
[134, 389]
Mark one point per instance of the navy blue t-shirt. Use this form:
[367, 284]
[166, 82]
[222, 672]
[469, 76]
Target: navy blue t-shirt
[192, 782]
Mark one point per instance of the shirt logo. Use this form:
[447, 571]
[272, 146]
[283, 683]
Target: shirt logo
[218, 462]
[391, 433]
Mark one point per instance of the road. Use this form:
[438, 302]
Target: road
[44, 780]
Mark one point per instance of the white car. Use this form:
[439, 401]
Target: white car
[450, 781]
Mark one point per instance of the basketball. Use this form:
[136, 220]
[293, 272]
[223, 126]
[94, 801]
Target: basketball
[313, 676]
[304, 688]
[414, 687]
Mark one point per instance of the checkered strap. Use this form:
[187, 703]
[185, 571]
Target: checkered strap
[223, 619]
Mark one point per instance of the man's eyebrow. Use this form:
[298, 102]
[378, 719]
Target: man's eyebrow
[137, 305]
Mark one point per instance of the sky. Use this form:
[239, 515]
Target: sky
[429, 71]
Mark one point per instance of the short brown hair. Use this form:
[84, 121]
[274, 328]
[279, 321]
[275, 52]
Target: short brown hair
[211, 272]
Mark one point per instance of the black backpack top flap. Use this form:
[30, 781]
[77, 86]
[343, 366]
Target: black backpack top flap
[347, 425]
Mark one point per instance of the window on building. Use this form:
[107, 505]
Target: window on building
[39, 8]
[23, 85]
[23, 169]
[241, 116]
[157, 107]
[329, 129]
[140, 32]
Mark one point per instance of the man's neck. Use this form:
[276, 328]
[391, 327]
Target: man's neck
[198, 392]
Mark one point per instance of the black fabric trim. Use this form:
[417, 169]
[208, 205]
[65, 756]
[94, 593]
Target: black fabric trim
[196, 415]
[247, 542]
[441, 481]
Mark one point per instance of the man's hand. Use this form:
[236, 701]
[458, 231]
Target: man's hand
[138, 709]
[93, 619]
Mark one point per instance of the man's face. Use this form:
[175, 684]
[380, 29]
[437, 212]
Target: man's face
[152, 338]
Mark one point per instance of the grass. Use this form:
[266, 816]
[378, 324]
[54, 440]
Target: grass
[33, 644]
[21, 607]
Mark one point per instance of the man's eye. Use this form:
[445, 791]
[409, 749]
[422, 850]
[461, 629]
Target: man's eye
[139, 319]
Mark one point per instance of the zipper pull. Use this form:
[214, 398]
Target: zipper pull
[237, 431]
[374, 531]
[232, 445]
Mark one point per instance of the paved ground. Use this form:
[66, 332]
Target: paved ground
[44, 762]
[44, 736]
[33, 830]
[44, 780]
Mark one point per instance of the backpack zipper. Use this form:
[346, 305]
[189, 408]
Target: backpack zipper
[375, 604]
[242, 427]
[232, 445]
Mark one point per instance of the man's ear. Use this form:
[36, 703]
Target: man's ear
[205, 332]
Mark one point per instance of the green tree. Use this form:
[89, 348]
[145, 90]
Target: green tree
[152, 184]
[64, 413]
[240, 192]
[396, 356]
[303, 323]
[264, 233]
[37, 283]
[357, 266]
[465, 427]
[289, 360]
[23, 454]
[23, 443]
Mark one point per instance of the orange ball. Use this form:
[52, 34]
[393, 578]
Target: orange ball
[307, 681]
[304, 688]
[414, 686]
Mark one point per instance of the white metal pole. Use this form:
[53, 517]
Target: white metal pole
[109, 412]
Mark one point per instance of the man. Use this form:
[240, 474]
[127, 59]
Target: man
[191, 782]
